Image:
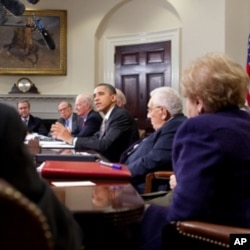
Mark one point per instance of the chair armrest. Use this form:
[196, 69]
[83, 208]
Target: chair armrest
[163, 174]
[211, 233]
[155, 175]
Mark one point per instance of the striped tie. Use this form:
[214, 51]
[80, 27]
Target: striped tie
[25, 122]
[103, 127]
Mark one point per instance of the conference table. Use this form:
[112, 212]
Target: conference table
[60, 151]
[107, 213]
[107, 210]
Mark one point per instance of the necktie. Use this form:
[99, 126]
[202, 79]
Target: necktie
[25, 122]
[67, 123]
[103, 127]
[83, 122]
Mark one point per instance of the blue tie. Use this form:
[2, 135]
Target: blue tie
[67, 123]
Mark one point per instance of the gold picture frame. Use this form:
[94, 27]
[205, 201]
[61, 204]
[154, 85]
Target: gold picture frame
[34, 43]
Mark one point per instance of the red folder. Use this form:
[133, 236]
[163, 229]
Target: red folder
[80, 170]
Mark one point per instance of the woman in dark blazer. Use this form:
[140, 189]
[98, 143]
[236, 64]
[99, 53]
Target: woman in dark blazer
[211, 156]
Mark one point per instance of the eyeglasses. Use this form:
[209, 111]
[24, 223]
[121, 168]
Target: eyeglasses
[149, 110]
[63, 109]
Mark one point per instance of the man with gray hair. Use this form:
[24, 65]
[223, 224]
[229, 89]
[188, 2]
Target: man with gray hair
[154, 153]
[121, 99]
[89, 120]
[68, 118]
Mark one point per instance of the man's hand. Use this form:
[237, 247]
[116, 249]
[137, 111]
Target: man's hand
[58, 131]
[172, 181]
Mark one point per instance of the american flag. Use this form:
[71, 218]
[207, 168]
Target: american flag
[248, 71]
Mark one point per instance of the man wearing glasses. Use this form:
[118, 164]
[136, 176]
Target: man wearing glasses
[154, 153]
[67, 117]
[87, 121]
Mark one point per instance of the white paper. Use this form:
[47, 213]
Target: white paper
[72, 183]
[54, 144]
[39, 169]
[83, 153]
[31, 136]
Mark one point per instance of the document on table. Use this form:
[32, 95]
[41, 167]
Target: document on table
[72, 183]
[54, 144]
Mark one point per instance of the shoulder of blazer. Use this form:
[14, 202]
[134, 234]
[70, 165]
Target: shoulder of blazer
[31, 117]
[94, 114]
[119, 111]
[34, 118]
[74, 115]
[175, 122]
[178, 118]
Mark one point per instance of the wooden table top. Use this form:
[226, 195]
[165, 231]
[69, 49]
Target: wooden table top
[114, 203]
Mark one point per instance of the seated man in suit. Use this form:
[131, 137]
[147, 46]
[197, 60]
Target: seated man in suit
[90, 120]
[154, 153]
[117, 132]
[32, 123]
[68, 118]
[86, 121]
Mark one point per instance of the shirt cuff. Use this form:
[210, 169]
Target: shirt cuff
[74, 141]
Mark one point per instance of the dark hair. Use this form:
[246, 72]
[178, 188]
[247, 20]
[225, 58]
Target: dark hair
[110, 87]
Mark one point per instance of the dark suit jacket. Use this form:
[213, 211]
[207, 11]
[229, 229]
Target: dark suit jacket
[211, 161]
[75, 119]
[153, 153]
[17, 168]
[91, 125]
[36, 125]
[121, 131]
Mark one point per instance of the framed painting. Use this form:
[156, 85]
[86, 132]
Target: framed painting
[34, 43]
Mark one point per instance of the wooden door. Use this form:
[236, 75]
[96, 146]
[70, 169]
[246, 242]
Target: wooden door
[138, 70]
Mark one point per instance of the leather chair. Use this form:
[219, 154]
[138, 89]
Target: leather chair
[150, 177]
[23, 225]
[199, 235]
[193, 234]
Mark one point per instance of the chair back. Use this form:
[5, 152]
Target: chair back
[23, 225]
[200, 235]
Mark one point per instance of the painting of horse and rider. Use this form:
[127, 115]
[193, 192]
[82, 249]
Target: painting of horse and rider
[33, 44]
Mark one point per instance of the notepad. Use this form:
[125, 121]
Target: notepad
[82, 171]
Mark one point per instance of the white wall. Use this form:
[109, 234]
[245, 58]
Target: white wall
[237, 29]
[206, 25]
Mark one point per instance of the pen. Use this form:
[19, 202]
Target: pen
[111, 165]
